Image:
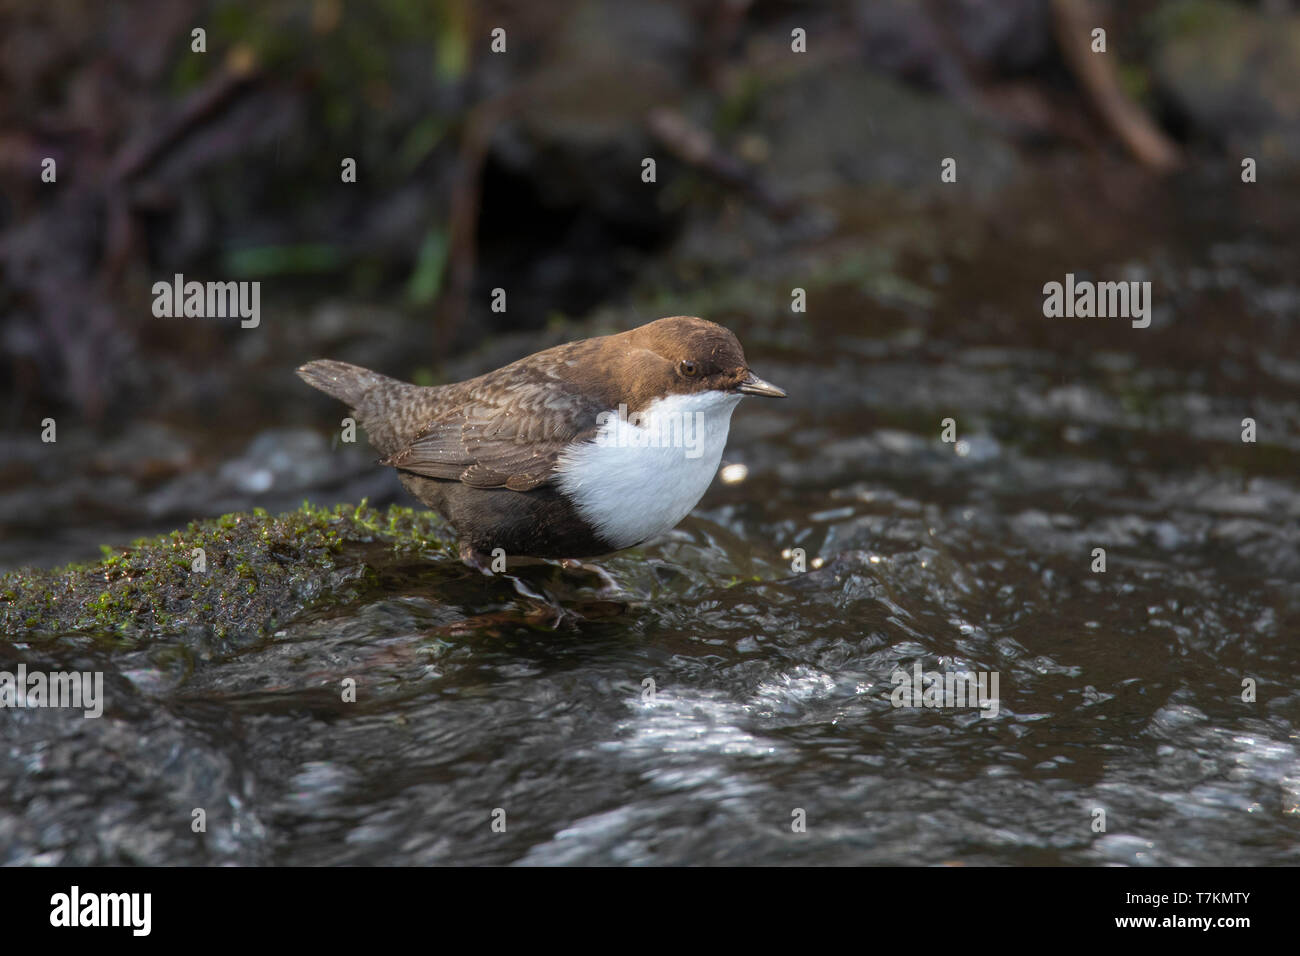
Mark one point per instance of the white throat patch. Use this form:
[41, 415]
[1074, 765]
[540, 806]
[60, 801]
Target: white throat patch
[644, 473]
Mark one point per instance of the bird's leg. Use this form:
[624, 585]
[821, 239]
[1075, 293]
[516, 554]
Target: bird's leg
[482, 562]
[479, 561]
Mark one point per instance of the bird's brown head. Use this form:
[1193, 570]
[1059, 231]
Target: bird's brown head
[683, 354]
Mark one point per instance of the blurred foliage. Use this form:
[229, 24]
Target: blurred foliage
[257, 262]
[229, 161]
[426, 279]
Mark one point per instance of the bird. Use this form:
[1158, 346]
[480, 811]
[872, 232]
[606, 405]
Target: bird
[577, 451]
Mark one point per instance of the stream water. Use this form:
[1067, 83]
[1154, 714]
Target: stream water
[1121, 735]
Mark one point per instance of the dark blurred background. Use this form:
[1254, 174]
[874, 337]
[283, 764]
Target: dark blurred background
[522, 171]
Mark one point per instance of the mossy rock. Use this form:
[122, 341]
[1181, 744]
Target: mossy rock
[1230, 73]
[259, 571]
[836, 126]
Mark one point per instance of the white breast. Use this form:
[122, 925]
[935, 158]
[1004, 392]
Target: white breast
[640, 477]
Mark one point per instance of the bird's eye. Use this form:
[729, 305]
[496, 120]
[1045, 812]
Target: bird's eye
[689, 368]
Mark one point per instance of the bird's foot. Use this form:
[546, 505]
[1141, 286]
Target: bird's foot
[544, 606]
[609, 587]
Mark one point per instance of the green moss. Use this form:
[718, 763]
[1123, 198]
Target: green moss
[260, 569]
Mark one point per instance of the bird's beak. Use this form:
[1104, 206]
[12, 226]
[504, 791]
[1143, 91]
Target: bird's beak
[753, 385]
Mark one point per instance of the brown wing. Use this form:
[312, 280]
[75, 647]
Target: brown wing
[507, 435]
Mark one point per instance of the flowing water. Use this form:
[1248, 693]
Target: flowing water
[768, 734]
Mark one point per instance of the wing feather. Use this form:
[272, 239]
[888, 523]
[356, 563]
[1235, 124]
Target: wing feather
[502, 437]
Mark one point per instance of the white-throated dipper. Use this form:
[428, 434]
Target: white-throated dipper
[575, 451]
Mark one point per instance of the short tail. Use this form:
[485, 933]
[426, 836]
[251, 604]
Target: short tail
[347, 383]
[383, 405]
